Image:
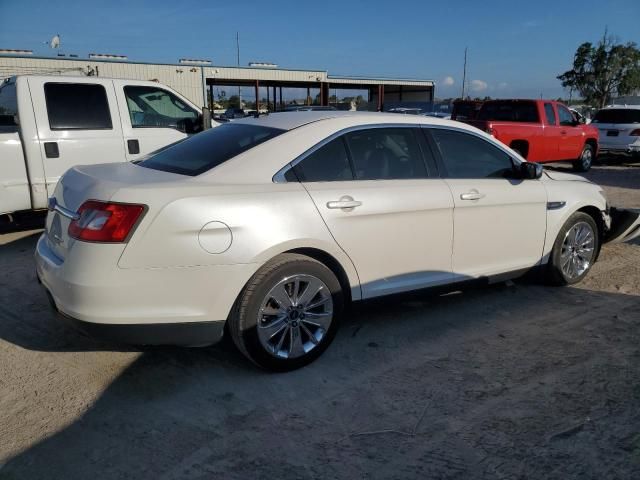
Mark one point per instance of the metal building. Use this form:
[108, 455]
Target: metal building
[196, 79]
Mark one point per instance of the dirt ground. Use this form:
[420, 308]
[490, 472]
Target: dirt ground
[511, 381]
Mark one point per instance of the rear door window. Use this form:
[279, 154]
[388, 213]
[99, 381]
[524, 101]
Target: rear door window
[386, 154]
[77, 106]
[329, 163]
[550, 114]
[209, 149]
[8, 107]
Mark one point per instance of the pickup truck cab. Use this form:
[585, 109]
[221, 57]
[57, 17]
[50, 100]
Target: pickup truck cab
[540, 131]
[49, 124]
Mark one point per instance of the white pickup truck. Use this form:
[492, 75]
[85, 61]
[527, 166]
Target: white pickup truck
[51, 123]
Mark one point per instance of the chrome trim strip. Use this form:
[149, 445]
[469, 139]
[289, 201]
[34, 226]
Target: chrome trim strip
[52, 206]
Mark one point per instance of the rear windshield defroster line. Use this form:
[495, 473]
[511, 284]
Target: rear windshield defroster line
[209, 149]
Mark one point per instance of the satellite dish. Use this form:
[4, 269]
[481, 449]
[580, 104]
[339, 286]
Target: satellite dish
[55, 41]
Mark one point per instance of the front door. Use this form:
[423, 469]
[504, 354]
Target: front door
[499, 221]
[571, 135]
[153, 117]
[374, 192]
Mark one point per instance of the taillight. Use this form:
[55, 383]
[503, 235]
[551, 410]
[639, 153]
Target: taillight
[635, 133]
[105, 221]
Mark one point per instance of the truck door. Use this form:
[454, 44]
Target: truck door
[153, 117]
[551, 133]
[77, 123]
[571, 135]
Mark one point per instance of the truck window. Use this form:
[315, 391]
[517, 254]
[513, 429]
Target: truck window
[509, 111]
[155, 107]
[550, 114]
[565, 116]
[77, 106]
[8, 107]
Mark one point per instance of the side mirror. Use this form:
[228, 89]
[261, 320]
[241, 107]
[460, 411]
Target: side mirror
[531, 171]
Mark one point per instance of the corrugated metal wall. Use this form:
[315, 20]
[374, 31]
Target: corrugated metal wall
[185, 79]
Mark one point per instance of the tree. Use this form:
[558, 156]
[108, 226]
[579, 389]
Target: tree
[601, 71]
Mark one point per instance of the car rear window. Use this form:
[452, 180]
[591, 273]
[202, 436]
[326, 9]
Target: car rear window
[617, 115]
[209, 149]
[509, 112]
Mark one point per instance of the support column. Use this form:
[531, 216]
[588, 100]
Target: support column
[275, 100]
[281, 102]
[212, 98]
[380, 97]
[257, 88]
[307, 101]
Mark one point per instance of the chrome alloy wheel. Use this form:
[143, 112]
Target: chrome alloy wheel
[295, 316]
[577, 250]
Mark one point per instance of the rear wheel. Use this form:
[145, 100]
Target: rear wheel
[574, 251]
[583, 163]
[288, 313]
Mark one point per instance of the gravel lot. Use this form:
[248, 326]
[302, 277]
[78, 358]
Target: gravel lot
[509, 381]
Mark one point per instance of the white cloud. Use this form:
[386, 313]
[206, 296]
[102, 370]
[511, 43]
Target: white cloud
[448, 81]
[478, 85]
[502, 85]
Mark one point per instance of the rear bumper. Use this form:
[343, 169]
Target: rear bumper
[176, 306]
[626, 150]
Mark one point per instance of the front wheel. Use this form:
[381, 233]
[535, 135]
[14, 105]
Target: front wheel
[584, 161]
[288, 313]
[574, 251]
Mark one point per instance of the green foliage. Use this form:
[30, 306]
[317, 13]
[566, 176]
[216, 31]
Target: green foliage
[603, 70]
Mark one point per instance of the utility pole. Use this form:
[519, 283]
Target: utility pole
[464, 72]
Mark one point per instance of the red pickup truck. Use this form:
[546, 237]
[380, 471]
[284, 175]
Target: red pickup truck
[540, 131]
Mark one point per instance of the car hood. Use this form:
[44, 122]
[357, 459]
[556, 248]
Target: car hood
[555, 175]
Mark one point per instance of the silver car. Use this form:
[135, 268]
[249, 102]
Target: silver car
[619, 128]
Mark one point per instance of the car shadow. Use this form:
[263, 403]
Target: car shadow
[397, 364]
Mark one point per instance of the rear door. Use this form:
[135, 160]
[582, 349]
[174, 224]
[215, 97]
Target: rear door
[78, 124]
[384, 206]
[499, 222]
[551, 144]
[153, 117]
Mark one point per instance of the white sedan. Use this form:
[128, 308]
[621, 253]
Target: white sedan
[269, 226]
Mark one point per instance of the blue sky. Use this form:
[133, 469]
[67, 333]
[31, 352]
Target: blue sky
[515, 48]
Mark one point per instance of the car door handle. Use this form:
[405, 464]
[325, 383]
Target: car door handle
[51, 150]
[563, 132]
[345, 202]
[133, 146]
[472, 195]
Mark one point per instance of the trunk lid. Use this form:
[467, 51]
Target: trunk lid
[91, 182]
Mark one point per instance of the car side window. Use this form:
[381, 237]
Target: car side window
[155, 107]
[550, 114]
[329, 163]
[386, 154]
[565, 116]
[468, 156]
[77, 106]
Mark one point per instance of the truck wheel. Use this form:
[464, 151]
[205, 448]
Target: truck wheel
[583, 163]
[288, 313]
[574, 251]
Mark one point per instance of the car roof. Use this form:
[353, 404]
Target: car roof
[608, 107]
[292, 120]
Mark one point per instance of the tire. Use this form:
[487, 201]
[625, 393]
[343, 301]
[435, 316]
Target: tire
[293, 331]
[585, 160]
[574, 252]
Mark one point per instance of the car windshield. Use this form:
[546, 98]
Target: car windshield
[618, 115]
[209, 149]
[509, 111]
